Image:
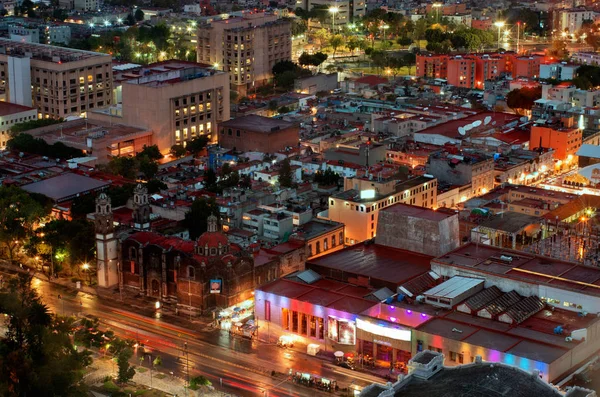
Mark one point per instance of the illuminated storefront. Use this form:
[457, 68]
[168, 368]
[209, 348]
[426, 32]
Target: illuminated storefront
[383, 342]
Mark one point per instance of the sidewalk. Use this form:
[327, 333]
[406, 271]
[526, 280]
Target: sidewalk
[172, 385]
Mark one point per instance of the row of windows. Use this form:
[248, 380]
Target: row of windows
[325, 244]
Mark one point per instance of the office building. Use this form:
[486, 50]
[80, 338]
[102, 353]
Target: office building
[246, 47]
[58, 34]
[464, 169]
[57, 81]
[177, 100]
[86, 5]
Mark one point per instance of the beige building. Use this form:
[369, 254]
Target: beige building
[57, 81]
[11, 114]
[247, 47]
[358, 206]
[177, 101]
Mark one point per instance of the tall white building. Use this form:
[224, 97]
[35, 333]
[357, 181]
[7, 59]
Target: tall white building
[341, 12]
[19, 83]
[571, 20]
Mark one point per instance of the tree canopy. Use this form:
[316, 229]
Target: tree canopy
[28, 144]
[37, 357]
[521, 100]
[196, 219]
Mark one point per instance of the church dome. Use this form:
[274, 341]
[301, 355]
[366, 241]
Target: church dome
[212, 242]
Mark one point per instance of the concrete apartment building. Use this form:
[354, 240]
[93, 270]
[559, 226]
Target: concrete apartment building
[463, 170]
[24, 34]
[177, 100]
[347, 11]
[571, 20]
[11, 114]
[57, 81]
[246, 47]
[359, 204]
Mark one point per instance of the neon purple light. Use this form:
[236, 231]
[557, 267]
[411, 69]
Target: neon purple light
[392, 308]
[423, 315]
[393, 319]
[409, 312]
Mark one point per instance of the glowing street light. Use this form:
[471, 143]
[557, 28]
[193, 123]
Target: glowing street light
[333, 11]
[500, 25]
[216, 65]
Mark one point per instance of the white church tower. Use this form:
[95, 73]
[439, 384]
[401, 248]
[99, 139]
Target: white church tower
[106, 243]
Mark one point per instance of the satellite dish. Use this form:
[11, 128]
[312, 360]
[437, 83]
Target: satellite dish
[524, 119]
[487, 120]
[461, 131]
[468, 127]
[494, 123]
[477, 123]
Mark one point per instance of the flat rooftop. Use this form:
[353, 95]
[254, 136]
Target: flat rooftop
[317, 227]
[47, 53]
[8, 108]
[510, 222]
[76, 133]
[257, 123]
[354, 195]
[483, 121]
[66, 186]
[374, 261]
[320, 295]
[485, 259]
[417, 212]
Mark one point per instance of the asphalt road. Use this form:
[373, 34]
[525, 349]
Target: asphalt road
[243, 365]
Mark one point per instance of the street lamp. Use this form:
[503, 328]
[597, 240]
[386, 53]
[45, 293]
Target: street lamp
[500, 25]
[86, 268]
[437, 11]
[333, 10]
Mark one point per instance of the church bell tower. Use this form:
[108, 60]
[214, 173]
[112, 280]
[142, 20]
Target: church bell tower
[106, 243]
[141, 208]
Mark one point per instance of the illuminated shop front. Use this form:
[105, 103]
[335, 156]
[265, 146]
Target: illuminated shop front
[383, 343]
[299, 317]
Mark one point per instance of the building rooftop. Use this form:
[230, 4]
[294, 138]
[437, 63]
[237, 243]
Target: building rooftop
[511, 222]
[480, 122]
[355, 195]
[47, 53]
[418, 212]
[317, 227]
[65, 186]
[257, 123]
[374, 261]
[318, 293]
[484, 259]
[8, 108]
[476, 380]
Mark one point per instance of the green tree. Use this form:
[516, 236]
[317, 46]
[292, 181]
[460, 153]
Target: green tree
[130, 20]
[178, 151]
[522, 100]
[196, 218]
[123, 166]
[126, 371]
[18, 213]
[151, 152]
[352, 43]
[76, 239]
[37, 357]
[196, 145]
[284, 66]
[285, 80]
[148, 167]
[336, 41]
[322, 36]
[286, 178]
[155, 186]
[139, 15]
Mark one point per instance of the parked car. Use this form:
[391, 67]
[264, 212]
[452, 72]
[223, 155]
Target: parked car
[345, 364]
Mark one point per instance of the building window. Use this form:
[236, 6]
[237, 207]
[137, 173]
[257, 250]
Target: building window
[325, 245]
[191, 272]
[267, 311]
[332, 241]
[318, 247]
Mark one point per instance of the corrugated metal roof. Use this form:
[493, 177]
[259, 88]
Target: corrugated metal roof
[524, 309]
[482, 298]
[454, 287]
[383, 293]
[501, 304]
[587, 150]
[308, 276]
